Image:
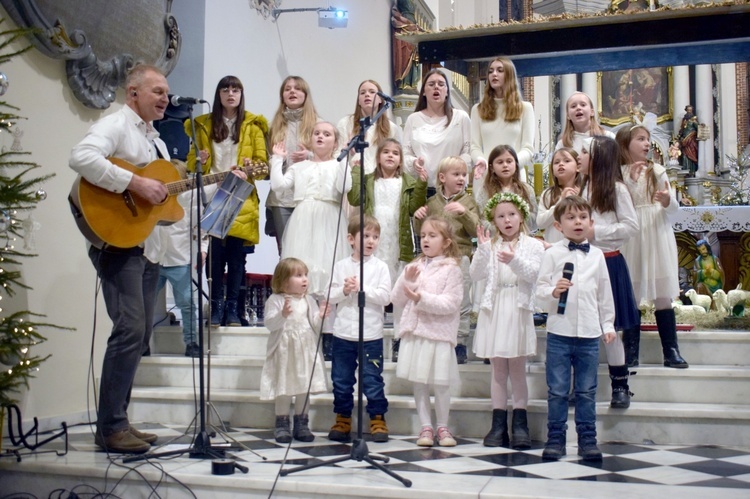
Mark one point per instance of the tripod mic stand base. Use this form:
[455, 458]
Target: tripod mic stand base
[358, 453]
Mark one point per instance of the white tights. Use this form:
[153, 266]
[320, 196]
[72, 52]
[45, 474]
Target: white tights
[502, 369]
[442, 403]
[284, 401]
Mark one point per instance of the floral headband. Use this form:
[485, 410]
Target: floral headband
[506, 197]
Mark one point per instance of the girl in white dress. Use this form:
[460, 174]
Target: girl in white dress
[505, 327]
[652, 253]
[293, 320]
[368, 104]
[316, 231]
[565, 173]
[580, 122]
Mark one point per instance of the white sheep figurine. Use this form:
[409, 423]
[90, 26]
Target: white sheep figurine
[736, 300]
[720, 301]
[680, 309]
[698, 299]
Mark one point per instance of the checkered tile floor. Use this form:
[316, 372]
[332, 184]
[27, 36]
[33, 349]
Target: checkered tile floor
[677, 465]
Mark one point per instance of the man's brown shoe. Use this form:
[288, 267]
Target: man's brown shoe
[122, 442]
[149, 438]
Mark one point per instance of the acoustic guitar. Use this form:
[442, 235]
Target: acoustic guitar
[125, 220]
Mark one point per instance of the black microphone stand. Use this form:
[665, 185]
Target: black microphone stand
[201, 447]
[359, 450]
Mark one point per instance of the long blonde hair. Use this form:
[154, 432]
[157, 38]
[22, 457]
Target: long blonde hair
[511, 95]
[309, 114]
[567, 135]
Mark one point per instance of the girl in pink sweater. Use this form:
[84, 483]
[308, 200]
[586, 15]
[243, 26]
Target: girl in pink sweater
[430, 291]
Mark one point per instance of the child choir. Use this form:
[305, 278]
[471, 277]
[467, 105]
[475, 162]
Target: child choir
[420, 258]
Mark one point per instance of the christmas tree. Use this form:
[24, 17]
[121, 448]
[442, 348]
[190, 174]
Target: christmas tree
[20, 191]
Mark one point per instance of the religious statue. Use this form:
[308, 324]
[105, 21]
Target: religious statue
[674, 151]
[406, 74]
[709, 274]
[689, 140]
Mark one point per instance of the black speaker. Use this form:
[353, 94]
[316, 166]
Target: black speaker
[171, 130]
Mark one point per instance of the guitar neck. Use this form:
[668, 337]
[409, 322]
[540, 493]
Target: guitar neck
[179, 186]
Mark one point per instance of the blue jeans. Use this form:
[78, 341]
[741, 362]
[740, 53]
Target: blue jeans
[582, 354]
[181, 280]
[343, 368]
[129, 290]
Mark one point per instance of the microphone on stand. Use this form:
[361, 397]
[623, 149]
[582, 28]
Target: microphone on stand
[386, 97]
[567, 274]
[176, 100]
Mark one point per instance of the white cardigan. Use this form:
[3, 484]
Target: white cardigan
[525, 264]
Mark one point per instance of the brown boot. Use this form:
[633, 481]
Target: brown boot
[121, 442]
[340, 431]
[146, 437]
[378, 428]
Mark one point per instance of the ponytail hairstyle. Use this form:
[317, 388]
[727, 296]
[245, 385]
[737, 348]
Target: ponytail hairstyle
[422, 102]
[594, 129]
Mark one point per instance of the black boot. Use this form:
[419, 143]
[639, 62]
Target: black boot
[217, 312]
[301, 430]
[231, 310]
[667, 326]
[631, 339]
[281, 431]
[620, 390]
[461, 355]
[520, 430]
[498, 435]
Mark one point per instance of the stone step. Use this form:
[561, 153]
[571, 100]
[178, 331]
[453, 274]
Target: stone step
[657, 422]
[698, 384]
[730, 348]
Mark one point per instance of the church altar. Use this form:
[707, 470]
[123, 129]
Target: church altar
[712, 219]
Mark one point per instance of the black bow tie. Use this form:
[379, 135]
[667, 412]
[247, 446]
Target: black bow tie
[583, 247]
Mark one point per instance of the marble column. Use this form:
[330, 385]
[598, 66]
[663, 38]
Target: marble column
[568, 85]
[680, 94]
[590, 89]
[704, 110]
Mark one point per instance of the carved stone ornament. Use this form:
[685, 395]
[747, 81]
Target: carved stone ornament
[100, 41]
[265, 7]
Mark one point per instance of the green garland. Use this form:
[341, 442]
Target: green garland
[506, 197]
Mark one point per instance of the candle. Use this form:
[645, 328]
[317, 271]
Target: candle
[538, 179]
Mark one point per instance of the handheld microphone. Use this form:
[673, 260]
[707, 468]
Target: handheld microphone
[176, 100]
[567, 274]
[386, 98]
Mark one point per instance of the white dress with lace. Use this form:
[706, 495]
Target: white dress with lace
[387, 206]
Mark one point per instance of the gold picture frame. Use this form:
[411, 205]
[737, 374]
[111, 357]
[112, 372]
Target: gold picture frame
[629, 92]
